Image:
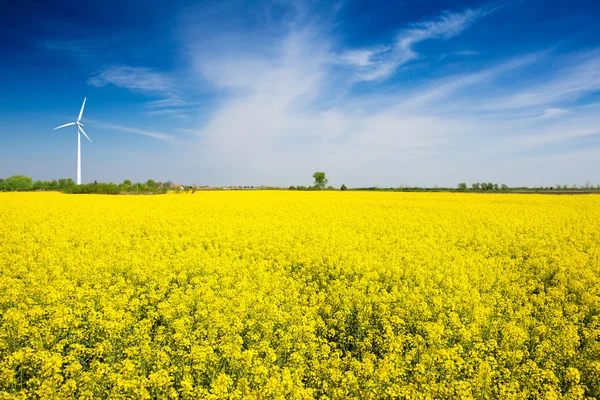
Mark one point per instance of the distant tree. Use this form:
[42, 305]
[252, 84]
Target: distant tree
[320, 179]
[292, 187]
[462, 186]
[1, 184]
[127, 182]
[495, 186]
[343, 187]
[65, 183]
[18, 183]
[504, 187]
[475, 186]
[151, 183]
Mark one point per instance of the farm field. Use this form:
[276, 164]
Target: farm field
[299, 295]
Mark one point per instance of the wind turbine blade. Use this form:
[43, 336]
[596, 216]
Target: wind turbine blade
[62, 126]
[82, 131]
[81, 112]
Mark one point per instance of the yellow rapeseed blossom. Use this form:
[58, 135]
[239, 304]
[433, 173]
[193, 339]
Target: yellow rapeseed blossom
[299, 295]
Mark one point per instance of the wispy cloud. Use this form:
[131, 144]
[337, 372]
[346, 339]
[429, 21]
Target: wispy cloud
[188, 131]
[554, 112]
[172, 101]
[282, 114]
[143, 80]
[381, 62]
[144, 132]
[441, 89]
[79, 48]
[148, 82]
[169, 112]
[580, 76]
[362, 57]
[466, 53]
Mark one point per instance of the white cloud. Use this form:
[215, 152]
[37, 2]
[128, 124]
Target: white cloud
[554, 112]
[444, 88]
[466, 53]
[280, 117]
[172, 101]
[76, 47]
[148, 82]
[362, 57]
[143, 80]
[168, 112]
[580, 76]
[381, 62]
[144, 132]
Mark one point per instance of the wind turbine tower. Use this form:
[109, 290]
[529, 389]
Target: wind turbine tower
[79, 132]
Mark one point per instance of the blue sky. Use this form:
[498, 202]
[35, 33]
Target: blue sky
[248, 93]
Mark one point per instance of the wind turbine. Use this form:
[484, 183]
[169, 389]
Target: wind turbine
[79, 132]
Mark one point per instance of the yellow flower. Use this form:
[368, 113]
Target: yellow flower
[299, 295]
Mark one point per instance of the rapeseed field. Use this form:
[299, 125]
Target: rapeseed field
[299, 295]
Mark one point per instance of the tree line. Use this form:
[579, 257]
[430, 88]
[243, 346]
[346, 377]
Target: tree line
[21, 183]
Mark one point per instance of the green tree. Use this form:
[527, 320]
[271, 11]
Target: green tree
[504, 187]
[462, 187]
[343, 187]
[151, 183]
[127, 182]
[18, 183]
[320, 179]
[475, 186]
[65, 183]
